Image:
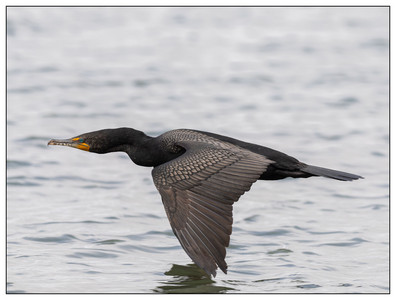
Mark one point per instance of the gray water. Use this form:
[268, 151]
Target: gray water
[310, 82]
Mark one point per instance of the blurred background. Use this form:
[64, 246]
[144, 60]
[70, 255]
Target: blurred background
[312, 82]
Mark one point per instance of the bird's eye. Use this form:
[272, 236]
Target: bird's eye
[81, 140]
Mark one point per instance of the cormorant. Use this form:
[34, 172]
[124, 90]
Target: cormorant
[199, 176]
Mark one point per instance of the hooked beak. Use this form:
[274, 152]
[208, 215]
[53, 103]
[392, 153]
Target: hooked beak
[74, 143]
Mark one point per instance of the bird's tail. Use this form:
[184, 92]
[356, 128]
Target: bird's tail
[339, 175]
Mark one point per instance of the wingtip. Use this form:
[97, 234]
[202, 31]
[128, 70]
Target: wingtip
[213, 272]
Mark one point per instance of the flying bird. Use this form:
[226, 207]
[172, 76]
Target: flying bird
[199, 176]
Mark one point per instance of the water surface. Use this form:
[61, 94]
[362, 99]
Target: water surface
[311, 82]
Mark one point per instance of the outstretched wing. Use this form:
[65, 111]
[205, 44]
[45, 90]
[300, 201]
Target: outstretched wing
[198, 190]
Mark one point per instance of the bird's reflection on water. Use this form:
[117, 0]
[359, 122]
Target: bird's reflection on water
[189, 279]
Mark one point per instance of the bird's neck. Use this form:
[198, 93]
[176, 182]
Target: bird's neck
[143, 150]
[146, 151]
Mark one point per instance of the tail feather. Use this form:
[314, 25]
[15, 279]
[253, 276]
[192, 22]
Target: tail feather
[339, 175]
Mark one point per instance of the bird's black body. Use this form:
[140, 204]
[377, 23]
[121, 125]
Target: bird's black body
[199, 176]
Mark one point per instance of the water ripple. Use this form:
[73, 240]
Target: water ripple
[325, 232]
[32, 225]
[20, 181]
[276, 232]
[352, 242]
[18, 164]
[308, 286]
[109, 242]
[65, 238]
[93, 253]
[279, 251]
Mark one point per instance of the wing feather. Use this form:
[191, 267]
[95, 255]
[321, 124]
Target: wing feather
[198, 190]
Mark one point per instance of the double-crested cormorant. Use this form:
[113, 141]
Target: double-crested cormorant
[199, 176]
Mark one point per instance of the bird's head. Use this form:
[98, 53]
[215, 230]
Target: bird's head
[102, 141]
[97, 141]
[84, 142]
